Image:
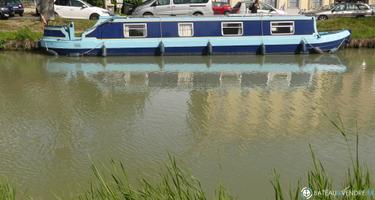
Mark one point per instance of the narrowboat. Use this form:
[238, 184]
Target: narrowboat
[212, 35]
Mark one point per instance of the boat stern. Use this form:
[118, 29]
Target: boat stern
[59, 32]
[56, 34]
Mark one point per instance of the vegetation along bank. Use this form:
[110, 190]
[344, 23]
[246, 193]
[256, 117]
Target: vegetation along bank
[177, 184]
[24, 33]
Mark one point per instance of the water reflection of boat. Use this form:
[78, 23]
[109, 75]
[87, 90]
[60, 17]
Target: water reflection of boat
[200, 71]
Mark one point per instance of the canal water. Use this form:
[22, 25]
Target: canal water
[228, 120]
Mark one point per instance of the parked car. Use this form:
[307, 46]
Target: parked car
[15, 7]
[174, 8]
[4, 10]
[76, 9]
[343, 10]
[242, 7]
[327, 7]
[373, 8]
[221, 8]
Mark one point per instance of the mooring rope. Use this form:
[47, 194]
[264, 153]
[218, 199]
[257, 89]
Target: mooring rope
[341, 43]
[88, 51]
[304, 39]
[45, 43]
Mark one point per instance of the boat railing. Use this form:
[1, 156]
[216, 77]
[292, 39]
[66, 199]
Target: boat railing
[208, 16]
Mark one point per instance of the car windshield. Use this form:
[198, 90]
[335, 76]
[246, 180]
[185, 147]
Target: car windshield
[62, 2]
[362, 7]
[219, 4]
[148, 2]
[14, 1]
[264, 6]
[87, 4]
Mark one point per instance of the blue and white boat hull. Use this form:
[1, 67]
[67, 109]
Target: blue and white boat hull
[61, 41]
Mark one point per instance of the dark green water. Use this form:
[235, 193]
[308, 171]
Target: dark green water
[229, 120]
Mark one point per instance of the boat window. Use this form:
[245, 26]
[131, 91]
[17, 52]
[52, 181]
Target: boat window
[231, 28]
[185, 29]
[135, 30]
[282, 28]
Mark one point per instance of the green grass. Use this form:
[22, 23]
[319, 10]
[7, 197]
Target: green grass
[113, 184]
[357, 177]
[175, 184]
[28, 30]
[362, 28]
[7, 191]
[23, 34]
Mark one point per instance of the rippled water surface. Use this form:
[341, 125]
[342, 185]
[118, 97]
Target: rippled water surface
[229, 120]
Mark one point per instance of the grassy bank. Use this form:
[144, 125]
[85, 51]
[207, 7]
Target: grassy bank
[362, 28]
[23, 33]
[23, 38]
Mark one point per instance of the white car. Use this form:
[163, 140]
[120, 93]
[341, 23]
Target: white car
[174, 8]
[77, 9]
[242, 7]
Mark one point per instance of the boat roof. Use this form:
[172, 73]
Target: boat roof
[247, 17]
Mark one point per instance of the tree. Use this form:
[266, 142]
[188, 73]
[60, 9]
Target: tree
[46, 10]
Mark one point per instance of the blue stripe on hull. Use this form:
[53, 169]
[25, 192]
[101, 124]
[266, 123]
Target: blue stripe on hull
[217, 50]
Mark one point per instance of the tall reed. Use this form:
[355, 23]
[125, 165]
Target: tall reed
[7, 191]
[175, 184]
[357, 177]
